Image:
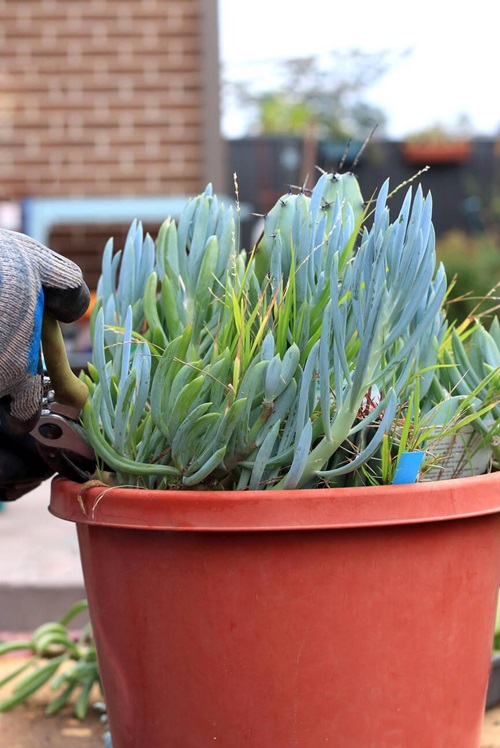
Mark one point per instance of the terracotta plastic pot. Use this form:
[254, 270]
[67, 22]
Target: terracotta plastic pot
[343, 618]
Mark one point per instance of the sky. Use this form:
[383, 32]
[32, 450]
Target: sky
[452, 68]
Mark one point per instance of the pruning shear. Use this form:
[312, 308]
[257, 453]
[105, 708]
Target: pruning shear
[61, 440]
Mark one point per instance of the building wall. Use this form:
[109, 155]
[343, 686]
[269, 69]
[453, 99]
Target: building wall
[108, 97]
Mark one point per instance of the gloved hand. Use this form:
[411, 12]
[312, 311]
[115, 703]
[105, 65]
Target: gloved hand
[21, 467]
[33, 280]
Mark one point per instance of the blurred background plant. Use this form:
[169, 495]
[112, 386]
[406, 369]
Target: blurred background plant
[472, 261]
[324, 96]
[59, 657]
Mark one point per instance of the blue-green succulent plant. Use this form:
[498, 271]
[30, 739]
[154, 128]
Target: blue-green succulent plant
[288, 366]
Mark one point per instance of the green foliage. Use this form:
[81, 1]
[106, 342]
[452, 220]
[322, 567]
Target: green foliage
[473, 264]
[68, 664]
[313, 95]
[278, 115]
[471, 371]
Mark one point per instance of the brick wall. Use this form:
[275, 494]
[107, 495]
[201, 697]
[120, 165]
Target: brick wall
[108, 97]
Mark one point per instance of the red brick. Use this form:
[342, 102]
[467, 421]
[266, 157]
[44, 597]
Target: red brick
[102, 97]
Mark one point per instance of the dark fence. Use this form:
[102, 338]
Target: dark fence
[462, 190]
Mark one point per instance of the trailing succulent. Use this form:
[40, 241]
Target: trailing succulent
[59, 658]
[306, 362]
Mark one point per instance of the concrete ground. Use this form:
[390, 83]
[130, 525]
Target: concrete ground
[40, 579]
[40, 573]
[27, 726]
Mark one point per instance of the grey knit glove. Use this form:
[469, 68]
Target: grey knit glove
[33, 278]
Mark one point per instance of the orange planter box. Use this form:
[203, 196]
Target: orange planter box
[451, 152]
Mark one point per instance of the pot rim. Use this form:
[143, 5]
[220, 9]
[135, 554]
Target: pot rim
[299, 509]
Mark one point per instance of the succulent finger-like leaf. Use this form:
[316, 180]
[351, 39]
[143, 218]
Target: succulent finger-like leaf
[169, 366]
[230, 421]
[183, 404]
[115, 460]
[185, 229]
[184, 439]
[142, 367]
[174, 313]
[373, 445]
[19, 670]
[307, 386]
[325, 383]
[203, 294]
[278, 223]
[82, 701]
[34, 681]
[107, 281]
[262, 457]
[280, 373]
[167, 251]
[145, 265]
[151, 309]
[495, 331]
[226, 239]
[123, 410]
[49, 628]
[206, 469]
[152, 442]
[126, 283]
[283, 404]
[272, 380]
[99, 359]
[79, 607]
[126, 346]
[301, 452]
[198, 241]
[50, 642]
[483, 350]
[55, 706]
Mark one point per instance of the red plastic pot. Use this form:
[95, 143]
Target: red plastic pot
[343, 618]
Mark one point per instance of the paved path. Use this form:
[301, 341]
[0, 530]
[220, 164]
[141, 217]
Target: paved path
[40, 573]
[27, 726]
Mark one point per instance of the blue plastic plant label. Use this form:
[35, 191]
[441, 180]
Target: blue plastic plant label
[408, 466]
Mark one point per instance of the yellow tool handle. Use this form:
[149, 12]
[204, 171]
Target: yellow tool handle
[68, 389]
